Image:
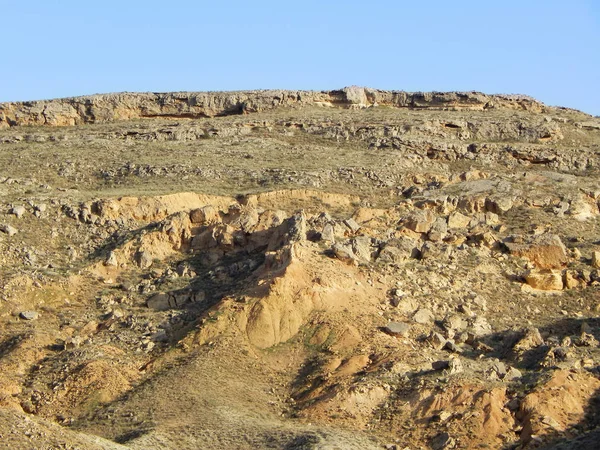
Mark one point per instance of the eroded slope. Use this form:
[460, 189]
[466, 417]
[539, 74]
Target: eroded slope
[350, 269]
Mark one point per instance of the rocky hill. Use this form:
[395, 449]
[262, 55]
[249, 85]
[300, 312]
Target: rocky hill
[299, 270]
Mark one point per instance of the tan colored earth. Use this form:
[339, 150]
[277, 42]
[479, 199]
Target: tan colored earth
[351, 269]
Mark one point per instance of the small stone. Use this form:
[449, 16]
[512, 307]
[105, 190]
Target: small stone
[143, 259]
[111, 260]
[481, 302]
[73, 342]
[159, 302]
[585, 328]
[160, 336]
[118, 314]
[344, 253]
[479, 326]
[545, 251]
[436, 340]
[458, 220]
[8, 229]
[451, 346]
[397, 329]
[514, 404]
[423, 316]
[328, 233]
[420, 221]
[18, 211]
[29, 315]
[454, 323]
[440, 365]
[351, 223]
[443, 441]
[445, 415]
[500, 368]
[455, 365]
[587, 340]
[531, 339]
[571, 279]
[148, 346]
[405, 304]
[512, 374]
[560, 353]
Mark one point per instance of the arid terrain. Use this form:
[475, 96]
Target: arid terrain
[354, 269]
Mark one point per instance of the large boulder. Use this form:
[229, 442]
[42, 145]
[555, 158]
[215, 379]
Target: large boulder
[546, 251]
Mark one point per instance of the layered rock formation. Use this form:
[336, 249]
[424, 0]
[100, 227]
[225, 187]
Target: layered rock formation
[126, 106]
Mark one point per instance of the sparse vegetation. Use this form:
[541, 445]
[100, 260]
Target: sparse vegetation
[354, 276]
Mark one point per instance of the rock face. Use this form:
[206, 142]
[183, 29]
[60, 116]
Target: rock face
[126, 106]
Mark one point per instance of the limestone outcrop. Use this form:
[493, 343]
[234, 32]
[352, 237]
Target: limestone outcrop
[104, 108]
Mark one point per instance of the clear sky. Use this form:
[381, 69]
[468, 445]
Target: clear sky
[549, 49]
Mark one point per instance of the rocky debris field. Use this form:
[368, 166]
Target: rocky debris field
[299, 270]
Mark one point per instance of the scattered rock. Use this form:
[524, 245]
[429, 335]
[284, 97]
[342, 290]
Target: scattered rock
[159, 302]
[143, 259]
[8, 229]
[29, 315]
[458, 220]
[420, 221]
[531, 339]
[423, 316]
[111, 260]
[512, 374]
[443, 441]
[397, 329]
[18, 211]
[352, 225]
[436, 340]
[545, 280]
[596, 259]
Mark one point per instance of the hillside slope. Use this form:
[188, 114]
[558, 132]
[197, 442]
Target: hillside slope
[299, 270]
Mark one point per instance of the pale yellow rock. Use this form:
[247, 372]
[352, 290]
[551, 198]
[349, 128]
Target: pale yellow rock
[596, 260]
[546, 251]
[420, 221]
[545, 280]
[458, 220]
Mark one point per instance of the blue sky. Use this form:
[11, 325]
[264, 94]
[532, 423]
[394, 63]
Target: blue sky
[547, 49]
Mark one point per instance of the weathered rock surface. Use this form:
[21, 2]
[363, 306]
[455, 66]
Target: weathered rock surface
[546, 251]
[545, 280]
[126, 106]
